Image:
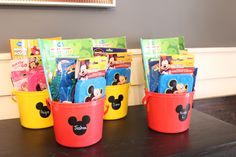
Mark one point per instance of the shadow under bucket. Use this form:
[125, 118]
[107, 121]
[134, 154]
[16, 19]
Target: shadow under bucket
[77, 124]
[33, 110]
[168, 113]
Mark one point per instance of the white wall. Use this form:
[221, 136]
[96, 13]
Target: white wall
[216, 77]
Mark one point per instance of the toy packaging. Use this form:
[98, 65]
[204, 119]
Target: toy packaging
[27, 74]
[175, 64]
[117, 76]
[119, 60]
[89, 90]
[90, 67]
[65, 70]
[153, 48]
[20, 80]
[154, 74]
[175, 83]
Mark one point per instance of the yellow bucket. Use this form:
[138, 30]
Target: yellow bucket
[33, 110]
[116, 104]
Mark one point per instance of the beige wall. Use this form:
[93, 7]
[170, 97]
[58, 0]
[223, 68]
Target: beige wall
[216, 77]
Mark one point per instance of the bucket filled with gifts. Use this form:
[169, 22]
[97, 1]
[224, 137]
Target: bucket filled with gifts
[170, 78]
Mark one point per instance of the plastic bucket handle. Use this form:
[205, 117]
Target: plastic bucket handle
[146, 98]
[48, 102]
[13, 96]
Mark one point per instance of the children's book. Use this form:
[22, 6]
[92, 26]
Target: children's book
[181, 43]
[116, 42]
[52, 49]
[153, 48]
[25, 48]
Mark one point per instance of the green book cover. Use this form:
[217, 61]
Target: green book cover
[152, 48]
[52, 49]
[181, 43]
[116, 42]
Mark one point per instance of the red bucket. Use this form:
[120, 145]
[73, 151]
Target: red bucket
[77, 124]
[168, 113]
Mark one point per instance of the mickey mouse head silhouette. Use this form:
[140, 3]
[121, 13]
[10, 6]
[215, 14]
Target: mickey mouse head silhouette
[119, 79]
[43, 110]
[183, 113]
[115, 103]
[94, 94]
[176, 87]
[79, 127]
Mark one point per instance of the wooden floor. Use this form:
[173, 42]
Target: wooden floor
[223, 108]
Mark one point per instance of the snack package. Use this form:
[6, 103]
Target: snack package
[117, 76]
[52, 49]
[90, 67]
[89, 90]
[176, 64]
[116, 42]
[153, 48]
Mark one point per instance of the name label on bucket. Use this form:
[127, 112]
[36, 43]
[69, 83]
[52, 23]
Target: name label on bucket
[183, 113]
[115, 103]
[79, 127]
[44, 112]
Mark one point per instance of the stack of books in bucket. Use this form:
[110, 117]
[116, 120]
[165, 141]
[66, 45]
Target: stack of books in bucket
[170, 78]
